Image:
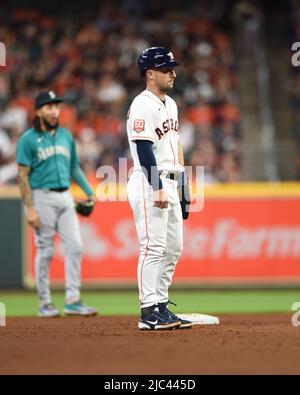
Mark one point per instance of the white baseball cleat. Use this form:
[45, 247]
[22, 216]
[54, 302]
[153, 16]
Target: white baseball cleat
[49, 311]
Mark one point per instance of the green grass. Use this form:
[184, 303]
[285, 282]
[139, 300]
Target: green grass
[25, 303]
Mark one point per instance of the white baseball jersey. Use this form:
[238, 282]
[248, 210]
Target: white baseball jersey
[159, 231]
[151, 119]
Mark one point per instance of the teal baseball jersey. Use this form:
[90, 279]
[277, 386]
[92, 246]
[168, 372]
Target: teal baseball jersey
[51, 158]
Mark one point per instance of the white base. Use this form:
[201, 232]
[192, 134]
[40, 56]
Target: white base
[200, 319]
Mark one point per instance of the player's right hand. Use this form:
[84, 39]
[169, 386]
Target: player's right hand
[160, 198]
[33, 218]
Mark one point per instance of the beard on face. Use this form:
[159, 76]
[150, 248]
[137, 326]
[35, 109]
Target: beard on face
[50, 126]
[165, 88]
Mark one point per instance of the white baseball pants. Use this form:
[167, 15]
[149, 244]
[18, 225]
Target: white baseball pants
[160, 234]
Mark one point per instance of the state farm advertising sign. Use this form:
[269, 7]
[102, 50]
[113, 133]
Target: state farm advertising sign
[232, 240]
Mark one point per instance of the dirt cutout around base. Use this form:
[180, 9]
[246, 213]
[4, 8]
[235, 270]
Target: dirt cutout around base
[241, 344]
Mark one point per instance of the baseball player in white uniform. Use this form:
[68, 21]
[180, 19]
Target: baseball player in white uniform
[152, 128]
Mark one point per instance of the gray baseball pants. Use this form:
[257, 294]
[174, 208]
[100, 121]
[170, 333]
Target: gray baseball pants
[57, 214]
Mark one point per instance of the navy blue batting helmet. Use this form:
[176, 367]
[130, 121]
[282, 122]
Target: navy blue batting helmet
[156, 58]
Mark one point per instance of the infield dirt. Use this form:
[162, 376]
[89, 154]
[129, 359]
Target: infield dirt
[241, 344]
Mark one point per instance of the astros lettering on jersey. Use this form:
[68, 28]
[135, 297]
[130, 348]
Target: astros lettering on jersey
[151, 119]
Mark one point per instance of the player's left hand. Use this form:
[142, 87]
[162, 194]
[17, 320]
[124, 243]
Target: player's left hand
[160, 199]
[93, 198]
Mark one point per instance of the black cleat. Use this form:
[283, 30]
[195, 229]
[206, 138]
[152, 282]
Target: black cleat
[165, 312]
[152, 319]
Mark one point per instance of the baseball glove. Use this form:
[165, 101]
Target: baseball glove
[184, 195]
[85, 208]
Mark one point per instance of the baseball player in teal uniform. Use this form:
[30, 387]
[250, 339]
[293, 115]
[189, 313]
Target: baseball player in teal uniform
[47, 161]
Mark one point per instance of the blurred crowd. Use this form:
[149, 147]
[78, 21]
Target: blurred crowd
[89, 58]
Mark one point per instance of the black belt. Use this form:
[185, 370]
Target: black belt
[58, 189]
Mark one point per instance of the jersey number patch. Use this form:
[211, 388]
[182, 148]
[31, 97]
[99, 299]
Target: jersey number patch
[139, 125]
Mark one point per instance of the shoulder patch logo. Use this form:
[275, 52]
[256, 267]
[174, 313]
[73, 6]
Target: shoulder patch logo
[139, 125]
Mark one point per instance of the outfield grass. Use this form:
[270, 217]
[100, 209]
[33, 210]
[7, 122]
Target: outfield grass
[126, 302]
